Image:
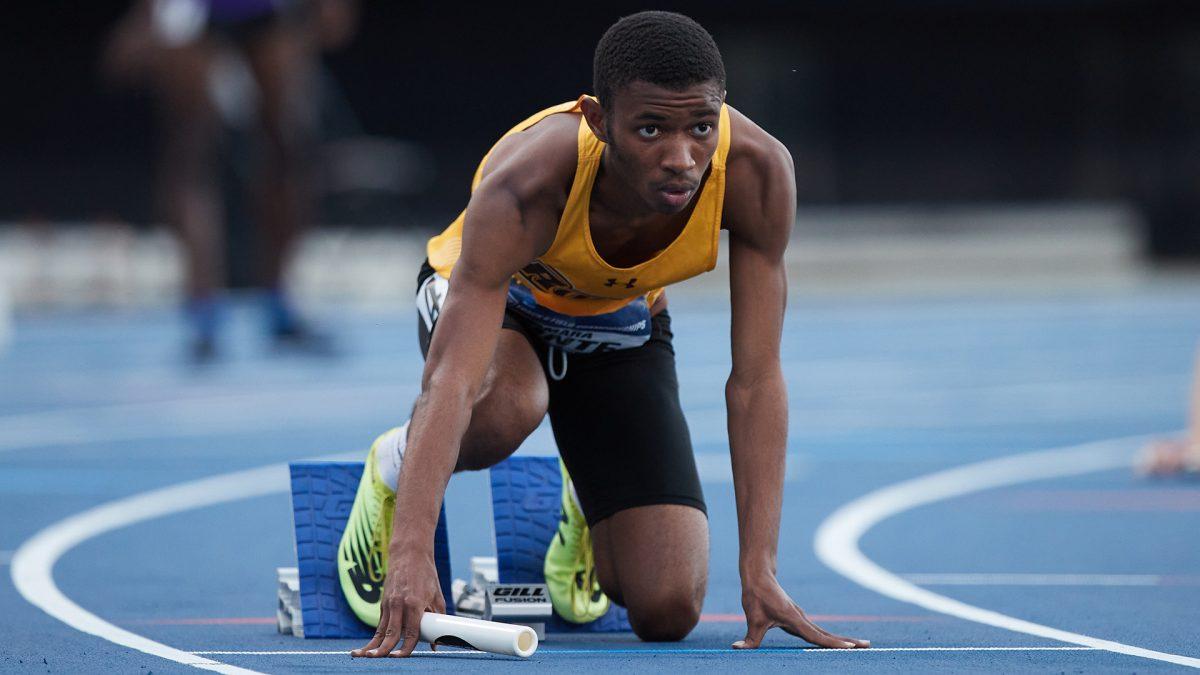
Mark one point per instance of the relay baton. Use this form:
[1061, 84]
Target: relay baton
[485, 636]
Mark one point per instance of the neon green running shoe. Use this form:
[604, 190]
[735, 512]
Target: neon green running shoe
[570, 566]
[363, 552]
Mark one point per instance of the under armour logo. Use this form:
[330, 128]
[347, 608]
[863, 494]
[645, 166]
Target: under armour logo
[628, 284]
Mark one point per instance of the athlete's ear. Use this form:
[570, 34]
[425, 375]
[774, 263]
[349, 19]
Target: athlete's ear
[593, 112]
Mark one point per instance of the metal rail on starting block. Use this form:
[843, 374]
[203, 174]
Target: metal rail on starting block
[526, 504]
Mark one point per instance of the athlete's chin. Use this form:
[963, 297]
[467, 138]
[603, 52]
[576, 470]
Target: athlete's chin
[671, 201]
[667, 209]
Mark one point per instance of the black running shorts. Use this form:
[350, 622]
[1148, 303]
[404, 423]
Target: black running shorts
[615, 415]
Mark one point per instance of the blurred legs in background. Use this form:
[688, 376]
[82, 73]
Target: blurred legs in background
[191, 52]
[283, 59]
[188, 188]
[1178, 455]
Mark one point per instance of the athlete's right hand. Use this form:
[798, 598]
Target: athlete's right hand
[410, 589]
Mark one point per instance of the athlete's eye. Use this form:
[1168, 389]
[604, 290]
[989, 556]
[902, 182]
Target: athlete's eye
[648, 131]
[703, 128]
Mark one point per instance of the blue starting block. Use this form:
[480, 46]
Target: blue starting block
[526, 506]
[526, 494]
[322, 494]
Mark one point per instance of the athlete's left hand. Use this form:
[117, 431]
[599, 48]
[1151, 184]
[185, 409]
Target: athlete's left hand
[767, 606]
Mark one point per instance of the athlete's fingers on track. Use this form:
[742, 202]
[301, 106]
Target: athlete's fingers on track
[391, 631]
[861, 644]
[755, 630]
[858, 644]
[808, 632]
[412, 629]
[799, 625]
[376, 639]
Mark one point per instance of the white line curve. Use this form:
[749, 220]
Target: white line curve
[837, 538]
[33, 563]
[1022, 579]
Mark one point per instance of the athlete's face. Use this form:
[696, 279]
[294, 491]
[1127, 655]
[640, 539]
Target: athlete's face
[661, 140]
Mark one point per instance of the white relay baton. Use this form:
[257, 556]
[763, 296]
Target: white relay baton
[486, 636]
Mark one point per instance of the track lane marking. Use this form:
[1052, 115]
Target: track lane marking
[1040, 579]
[704, 618]
[670, 651]
[837, 537]
[33, 563]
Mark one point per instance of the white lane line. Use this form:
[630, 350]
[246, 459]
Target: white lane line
[33, 563]
[1017, 579]
[335, 652]
[681, 651]
[837, 537]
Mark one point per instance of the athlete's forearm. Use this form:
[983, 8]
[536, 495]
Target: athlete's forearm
[439, 420]
[758, 444]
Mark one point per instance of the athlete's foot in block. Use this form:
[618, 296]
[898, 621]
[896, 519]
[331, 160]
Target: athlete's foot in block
[363, 551]
[570, 566]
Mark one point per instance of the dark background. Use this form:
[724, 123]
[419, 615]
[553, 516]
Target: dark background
[959, 101]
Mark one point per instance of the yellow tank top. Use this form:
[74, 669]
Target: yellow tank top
[571, 277]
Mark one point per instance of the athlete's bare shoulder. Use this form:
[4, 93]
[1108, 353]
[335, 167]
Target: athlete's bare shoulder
[760, 184]
[539, 162]
[521, 195]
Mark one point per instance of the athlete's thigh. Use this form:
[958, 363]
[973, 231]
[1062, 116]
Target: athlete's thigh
[514, 397]
[620, 428]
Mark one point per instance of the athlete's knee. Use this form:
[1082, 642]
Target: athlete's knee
[668, 616]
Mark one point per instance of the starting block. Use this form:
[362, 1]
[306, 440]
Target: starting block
[526, 503]
[322, 494]
[526, 506]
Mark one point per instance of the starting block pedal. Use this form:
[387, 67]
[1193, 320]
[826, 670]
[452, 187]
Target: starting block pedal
[526, 494]
[527, 505]
[322, 494]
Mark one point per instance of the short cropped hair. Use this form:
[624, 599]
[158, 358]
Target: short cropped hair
[662, 48]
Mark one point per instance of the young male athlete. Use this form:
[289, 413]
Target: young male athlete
[546, 294]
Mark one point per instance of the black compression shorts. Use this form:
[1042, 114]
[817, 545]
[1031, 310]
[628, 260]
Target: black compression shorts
[615, 415]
